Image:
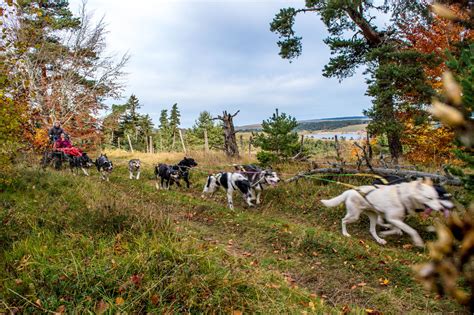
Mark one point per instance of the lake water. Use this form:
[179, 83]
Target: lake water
[341, 136]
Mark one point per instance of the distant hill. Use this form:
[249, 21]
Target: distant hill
[317, 124]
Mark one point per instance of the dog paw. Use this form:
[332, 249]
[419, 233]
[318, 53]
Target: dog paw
[346, 234]
[419, 243]
[381, 241]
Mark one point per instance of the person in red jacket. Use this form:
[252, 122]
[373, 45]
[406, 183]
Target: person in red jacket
[63, 144]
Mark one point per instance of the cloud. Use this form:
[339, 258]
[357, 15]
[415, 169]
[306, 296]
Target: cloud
[216, 55]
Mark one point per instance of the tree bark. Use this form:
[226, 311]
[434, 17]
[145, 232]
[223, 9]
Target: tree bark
[230, 141]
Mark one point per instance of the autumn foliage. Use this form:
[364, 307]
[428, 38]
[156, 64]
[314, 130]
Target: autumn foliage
[427, 143]
[437, 38]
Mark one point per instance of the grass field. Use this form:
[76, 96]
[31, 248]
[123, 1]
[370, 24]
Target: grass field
[76, 244]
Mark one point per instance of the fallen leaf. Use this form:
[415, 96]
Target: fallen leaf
[236, 312]
[119, 300]
[101, 307]
[346, 309]
[311, 305]
[254, 263]
[384, 282]
[155, 299]
[38, 302]
[136, 280]
[61, 309]
[407, 246]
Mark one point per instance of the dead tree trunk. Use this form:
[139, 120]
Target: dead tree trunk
[230, 141]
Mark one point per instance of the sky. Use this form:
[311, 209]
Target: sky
[220, 55]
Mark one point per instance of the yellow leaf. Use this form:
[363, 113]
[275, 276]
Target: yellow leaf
[119, 301]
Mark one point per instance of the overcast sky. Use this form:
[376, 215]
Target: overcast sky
[216, 55]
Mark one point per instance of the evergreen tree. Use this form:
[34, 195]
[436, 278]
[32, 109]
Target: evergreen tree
[215, 134]
[164, 123]
[174, 122]
[356, 40]
[131, 118]
[164, 130]
[279, 135]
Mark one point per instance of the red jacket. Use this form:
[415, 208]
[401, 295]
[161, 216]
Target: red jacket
[62, 144]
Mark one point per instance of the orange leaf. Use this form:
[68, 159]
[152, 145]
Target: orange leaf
[101, 307]
[155, 299]
[119, 301]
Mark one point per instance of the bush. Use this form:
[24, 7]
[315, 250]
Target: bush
[266, 158]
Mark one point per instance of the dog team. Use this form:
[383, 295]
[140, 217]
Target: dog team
[386, 204]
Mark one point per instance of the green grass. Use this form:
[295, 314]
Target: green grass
[79, 244]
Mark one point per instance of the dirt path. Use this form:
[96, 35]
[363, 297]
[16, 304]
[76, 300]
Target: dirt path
[308, 253]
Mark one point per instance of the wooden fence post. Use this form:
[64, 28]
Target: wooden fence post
[130, 143]
[206, 142]
[250, 146]
[152, 149]
[182, 141]
[118, 142]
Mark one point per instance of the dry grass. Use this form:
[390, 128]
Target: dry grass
[212, 159]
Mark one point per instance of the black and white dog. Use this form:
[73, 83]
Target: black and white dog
[134, 168]
[230, 182]
[183, 168]
[104, 166]
[80, 162]
[258, 178]
[166, 174]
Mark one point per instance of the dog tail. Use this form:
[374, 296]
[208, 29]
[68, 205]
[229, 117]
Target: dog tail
[336, 200]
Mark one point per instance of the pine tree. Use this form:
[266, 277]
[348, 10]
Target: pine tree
[355, 40]
[131, 117]
[174, 122]
[279, 135]
[164, 129]
[215, 133]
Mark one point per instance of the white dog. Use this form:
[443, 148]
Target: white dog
[230, 182]
[391, 203]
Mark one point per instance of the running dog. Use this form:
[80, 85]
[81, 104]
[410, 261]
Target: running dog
[392, 203]
[82, 162]
[258, 178]
[444, 196]
[230, 182]
[104, 166]
[183, 168]
[134, 167]
[166, 174]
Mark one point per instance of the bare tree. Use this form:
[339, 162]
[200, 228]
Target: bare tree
[230, 141]
[77, 76]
